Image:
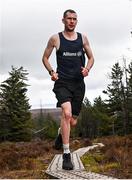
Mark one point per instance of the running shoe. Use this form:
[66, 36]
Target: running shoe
[67, 163]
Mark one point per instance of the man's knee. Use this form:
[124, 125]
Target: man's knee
[67, 115]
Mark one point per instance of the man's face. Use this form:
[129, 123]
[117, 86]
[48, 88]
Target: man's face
[70, 21]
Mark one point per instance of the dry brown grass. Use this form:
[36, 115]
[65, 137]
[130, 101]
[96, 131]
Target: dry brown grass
[25, 160]
[29, 159]
[117, 150]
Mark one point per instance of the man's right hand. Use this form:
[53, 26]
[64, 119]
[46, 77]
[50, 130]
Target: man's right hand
[54, 76]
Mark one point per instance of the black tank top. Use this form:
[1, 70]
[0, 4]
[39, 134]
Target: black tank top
[70, 58]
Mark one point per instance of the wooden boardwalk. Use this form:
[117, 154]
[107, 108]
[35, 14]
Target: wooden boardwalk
[55, 168]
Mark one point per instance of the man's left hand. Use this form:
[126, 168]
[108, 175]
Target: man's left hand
[84, 71]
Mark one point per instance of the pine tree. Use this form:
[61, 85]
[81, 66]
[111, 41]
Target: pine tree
[87, 123]
[117, 92]
[15, 116]
[130, 78]
[104, 122]
[100, 105]
[51, 127]
[130, 96]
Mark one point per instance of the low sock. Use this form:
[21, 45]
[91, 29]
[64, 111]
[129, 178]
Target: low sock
[66, 149]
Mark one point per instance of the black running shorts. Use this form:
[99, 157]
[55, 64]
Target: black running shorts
[70, 91]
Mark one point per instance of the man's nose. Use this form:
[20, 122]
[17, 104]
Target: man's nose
[72, 20]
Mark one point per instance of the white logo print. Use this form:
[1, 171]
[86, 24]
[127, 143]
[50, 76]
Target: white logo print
[78, 54]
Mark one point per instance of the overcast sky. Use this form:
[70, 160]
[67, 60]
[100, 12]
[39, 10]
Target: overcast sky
[26, 26]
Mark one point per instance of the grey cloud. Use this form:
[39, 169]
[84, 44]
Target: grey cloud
[27, 26]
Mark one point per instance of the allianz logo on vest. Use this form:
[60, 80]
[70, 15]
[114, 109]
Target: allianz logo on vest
[78, 54]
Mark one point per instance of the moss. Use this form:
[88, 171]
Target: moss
[96, 169]
[98, 157]
[112, 165]
[94, 162]
[88, 160]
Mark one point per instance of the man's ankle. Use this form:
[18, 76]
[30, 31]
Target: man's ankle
[66, 149]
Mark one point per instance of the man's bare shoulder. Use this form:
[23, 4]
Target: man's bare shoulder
[54, 39]
[85, 38]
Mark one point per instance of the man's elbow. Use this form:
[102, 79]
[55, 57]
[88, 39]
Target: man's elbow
[91, 59]
[43, 60]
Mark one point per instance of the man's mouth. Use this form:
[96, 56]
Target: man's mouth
[71, 26]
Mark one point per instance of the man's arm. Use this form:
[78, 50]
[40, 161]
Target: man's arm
[46, 55]
[89, 54]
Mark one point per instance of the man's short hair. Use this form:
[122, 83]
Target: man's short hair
[68, 10]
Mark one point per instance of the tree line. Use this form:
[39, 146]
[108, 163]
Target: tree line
[112, 116]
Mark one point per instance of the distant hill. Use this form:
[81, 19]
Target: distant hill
[54, 112]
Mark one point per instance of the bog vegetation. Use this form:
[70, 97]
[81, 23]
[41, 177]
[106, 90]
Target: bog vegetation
[103, 118]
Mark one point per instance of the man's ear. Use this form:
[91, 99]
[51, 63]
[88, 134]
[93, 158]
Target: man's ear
[63, 20]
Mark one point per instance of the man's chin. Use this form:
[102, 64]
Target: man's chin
[70, 30]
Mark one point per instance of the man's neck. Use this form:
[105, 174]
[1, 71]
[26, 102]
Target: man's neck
[70, 35]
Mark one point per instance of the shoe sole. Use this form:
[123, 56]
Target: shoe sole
[67, 168]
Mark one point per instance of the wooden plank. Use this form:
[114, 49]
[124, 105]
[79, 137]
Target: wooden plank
[55, 168]
[83, 150]
[56, 163]
[63, 174]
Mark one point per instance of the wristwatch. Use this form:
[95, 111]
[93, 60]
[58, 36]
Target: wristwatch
[51, 71]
